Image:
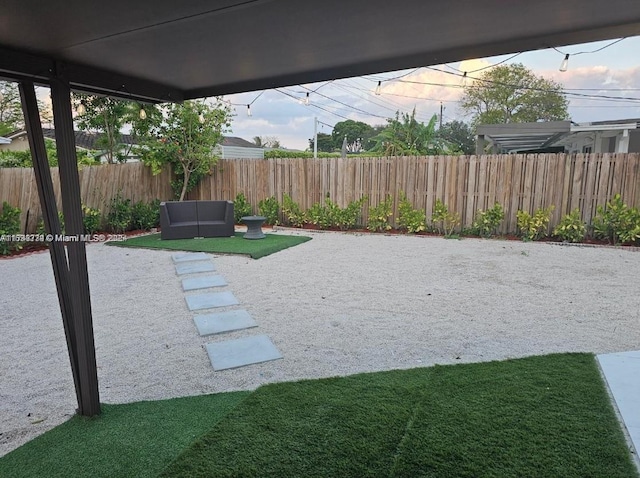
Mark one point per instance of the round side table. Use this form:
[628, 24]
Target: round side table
[254, 226]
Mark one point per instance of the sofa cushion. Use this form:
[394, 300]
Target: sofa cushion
[182, 212]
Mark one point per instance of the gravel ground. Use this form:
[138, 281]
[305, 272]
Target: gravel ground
[336, 305]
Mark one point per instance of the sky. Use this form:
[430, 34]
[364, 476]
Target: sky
[614, 71]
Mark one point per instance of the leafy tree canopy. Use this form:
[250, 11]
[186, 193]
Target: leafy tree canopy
[184, 135]
[459, 136]
[107, 116]
[325, 143]
[356, 132]
[513, 94]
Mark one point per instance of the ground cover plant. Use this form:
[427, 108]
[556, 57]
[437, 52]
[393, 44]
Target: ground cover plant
[221, 245]
[547, 416]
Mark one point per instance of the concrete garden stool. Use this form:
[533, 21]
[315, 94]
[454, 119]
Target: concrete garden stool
[254, 226]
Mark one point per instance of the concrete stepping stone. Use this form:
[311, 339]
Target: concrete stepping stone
[241, 352]
[211, 300]
[621, 371]
[209, 324]
[193, 267]
[190, 256]
[194, 283]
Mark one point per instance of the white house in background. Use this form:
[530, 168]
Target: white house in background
[233, 147]
[4, 140]
[87, 141]
[616, 136]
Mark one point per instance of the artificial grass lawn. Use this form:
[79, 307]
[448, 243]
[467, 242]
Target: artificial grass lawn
[536, 417]
[256, 248]
[130, 440]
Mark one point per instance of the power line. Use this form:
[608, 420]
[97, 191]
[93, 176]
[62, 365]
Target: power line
[592, 51]
[347, 105]
[311, 104]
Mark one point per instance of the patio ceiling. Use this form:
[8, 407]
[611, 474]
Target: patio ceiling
[159, 50]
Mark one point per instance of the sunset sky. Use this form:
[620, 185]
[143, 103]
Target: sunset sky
[612, 72]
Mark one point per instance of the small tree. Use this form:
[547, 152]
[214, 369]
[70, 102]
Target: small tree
[513, 94]
[185, 138]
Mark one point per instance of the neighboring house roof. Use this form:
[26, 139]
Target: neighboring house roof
[84, 140]
[87, 140]
[238, 142]
[514, 137]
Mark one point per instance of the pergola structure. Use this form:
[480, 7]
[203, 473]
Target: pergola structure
[168, 50]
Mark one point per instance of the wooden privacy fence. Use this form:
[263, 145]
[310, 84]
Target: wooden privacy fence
[98, 185]
[464, 183]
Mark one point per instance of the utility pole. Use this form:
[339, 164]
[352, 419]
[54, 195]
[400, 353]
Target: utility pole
[315, 137]
[441, 110]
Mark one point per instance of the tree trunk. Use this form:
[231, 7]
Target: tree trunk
[183, 193]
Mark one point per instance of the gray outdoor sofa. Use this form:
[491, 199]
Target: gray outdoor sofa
[189, 219]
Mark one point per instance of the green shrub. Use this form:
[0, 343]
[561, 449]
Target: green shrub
[534, 227]
[330, 214]
[379, 215]
[269, 208]
[571, 227]
[40, 226]
[487, 222]
[241, 208]
[91, 219]
[347, 218]
[120, 215]
[145, 216]
[281, 153]
[294, 216]
[319, 215]
[410, 219]
[443, 221]
[617, 222]
[9, 225]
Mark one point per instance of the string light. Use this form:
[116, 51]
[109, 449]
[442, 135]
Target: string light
[81, 109]
[143, 113]
[565, 63]
[379, 88]
[201, 118]
[465, 79]
[248, 110]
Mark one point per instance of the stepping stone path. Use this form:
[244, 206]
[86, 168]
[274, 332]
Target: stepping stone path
[225, 354]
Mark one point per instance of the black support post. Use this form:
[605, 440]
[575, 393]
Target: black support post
[51, 220]
[78, 280]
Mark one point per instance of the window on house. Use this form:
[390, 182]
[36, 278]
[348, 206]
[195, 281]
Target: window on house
[587, 149]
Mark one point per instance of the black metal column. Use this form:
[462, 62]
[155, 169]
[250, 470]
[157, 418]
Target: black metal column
[78, 278]
[51, 220]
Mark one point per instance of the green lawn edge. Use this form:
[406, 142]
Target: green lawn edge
[255, 248]
[127, 440]
[546, 416]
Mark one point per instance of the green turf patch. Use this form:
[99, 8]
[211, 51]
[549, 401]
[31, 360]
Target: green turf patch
[256, 248]
[136, 439]
[536, 417]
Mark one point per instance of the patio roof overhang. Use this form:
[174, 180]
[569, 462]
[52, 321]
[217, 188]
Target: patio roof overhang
[514, 137]
[163, 50]
[167, 50]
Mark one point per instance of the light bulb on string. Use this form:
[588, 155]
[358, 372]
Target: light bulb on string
[379, 88]
[248, 110]
[306, 100]
[143, 113]
[81, 109]
[565, 63]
